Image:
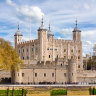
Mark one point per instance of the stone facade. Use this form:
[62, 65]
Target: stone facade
[47, 59]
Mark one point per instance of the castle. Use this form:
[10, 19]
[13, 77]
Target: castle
[47, 59]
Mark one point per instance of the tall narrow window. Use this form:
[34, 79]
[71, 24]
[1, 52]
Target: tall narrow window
[22, 74]
[44, 74]
[27, 57]
[35, 74]
[18, 74]
[23, 58]
[78, 51]
[49, 56]
[64, 74]
[52, 74]
[32, 49]
[19, 51]
[23, 50]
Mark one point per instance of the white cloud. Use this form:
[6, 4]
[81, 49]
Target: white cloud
[10, 2]
[86, 6]
[33, 12]
[24, 12]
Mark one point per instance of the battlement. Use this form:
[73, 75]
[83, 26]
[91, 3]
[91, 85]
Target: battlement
[28, 42]
[62, 40]
[87, 71]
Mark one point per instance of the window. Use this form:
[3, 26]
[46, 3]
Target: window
[72, 74]
[18, 39]
[49, 56]
[23, 58]
[64, 57]
[27, 57]
[52, 74]
[23, 50]
[44, 74]
[36, 49]
[19, 51]
[35, 74]
[78, 51]
[47, 48]
[78, 57]
[71, 50]
[27, 50]
[71, 57]
[18, 74]
[64, 74]
[61, 64]
[32, 49]
[64, 50]
[78, 66]
[22, 74]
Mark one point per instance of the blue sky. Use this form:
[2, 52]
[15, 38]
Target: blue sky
[60, 13]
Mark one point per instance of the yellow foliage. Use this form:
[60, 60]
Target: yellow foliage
[9, 59]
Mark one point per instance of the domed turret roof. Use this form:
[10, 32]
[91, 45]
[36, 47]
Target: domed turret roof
[42, 26]
[18, 33]
[76, 28]
[49, 32]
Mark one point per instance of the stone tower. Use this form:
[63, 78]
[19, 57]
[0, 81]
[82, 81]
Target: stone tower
[76, 33]
[18, 37]
[42, 37]
[72, 72]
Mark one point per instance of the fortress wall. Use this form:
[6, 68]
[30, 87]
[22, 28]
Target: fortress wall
[86, 76]
[29, 75]
[61, 75]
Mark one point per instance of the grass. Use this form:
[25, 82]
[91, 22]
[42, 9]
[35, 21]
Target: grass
[78, 92]
[46, 92]
[70, 92]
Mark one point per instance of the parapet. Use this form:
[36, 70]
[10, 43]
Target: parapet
[28, 42]
[63, 41]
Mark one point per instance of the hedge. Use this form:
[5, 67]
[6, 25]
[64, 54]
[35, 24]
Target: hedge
[13, 92]
[58, 92]
[92, 91]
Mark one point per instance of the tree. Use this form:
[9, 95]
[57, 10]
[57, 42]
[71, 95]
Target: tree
[9, 59]
[91, 64]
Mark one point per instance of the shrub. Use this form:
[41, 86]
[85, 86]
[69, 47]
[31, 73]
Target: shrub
[92, 91]
[58, 92]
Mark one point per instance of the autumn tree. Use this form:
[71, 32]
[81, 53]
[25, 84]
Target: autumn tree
[9, 59]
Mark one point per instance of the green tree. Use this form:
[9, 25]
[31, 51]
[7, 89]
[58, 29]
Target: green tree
[91, 63]
[9, 59]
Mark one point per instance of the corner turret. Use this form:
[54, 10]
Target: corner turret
[18, 37]
[76, 33]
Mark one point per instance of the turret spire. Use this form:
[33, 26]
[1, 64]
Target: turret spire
[76, 22]
[18, 26]
[42, 22]
[49, 26]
